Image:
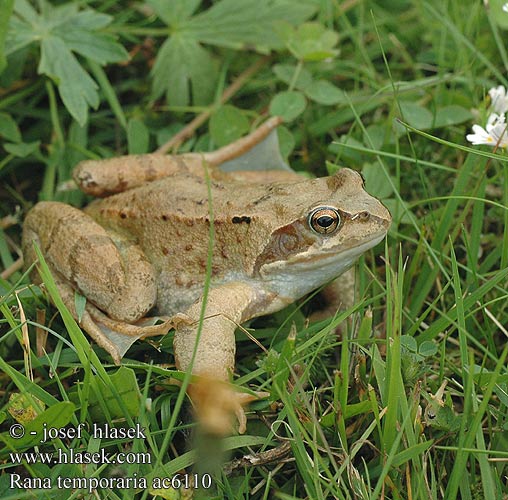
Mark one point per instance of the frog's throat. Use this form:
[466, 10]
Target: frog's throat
[292, 279]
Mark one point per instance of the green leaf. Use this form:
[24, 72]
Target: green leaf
[309, 41]
[346, 154]
[76, 87]
[352, 410]
[375, 136]
[62, 31]
[87, 19]
[288, 105]
[6, 10]
[376, 181]
[80, 35]
[22, 149]
[138, 137]
[8, 128]
[324, 92]
[184, 69]
[18, 36]
[409, 343]
[173, 12]
[286, 141]
[416, 115]
[26, 11]
[286, 72]
[99, 47]
[125, 380]
[228, 124]
[246, 23]
[57, 416]
[399, 211]
[427, 348]
[498, 14]
[452, 115]
[79, 304]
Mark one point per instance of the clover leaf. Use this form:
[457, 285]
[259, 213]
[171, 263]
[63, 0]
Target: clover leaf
[61, 32]
[309, 41]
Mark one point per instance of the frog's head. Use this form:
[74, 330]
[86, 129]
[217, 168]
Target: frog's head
[328, 224]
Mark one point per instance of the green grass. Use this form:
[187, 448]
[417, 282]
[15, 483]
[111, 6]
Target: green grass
[432, 304]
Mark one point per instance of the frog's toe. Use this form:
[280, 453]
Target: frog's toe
[216, 403]
[243, 399]
[117, 336]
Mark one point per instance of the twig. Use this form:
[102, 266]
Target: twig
[188, 130]
[15, 266]
[8, 221]
[261, 458]
[347, 5]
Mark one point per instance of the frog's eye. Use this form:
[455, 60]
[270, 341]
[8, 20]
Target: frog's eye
[324, 220]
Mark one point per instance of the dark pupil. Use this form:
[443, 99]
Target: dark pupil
[325, 221]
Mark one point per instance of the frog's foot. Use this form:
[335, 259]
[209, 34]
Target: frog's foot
[117, 336]
[216, 402]
[114, 336]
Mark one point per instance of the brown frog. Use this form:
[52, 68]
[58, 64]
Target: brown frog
[276, 236]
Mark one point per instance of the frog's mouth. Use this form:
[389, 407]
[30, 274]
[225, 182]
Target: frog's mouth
[303, 273]
[323, 257]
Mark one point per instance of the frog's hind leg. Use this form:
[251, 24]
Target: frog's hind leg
[242, 145]
[111, 272]
[114, 336]
[114, 175]
[86, 321]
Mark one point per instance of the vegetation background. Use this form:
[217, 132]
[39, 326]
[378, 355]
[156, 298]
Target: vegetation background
[388, 88]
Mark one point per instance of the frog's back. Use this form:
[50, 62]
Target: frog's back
[170, 220]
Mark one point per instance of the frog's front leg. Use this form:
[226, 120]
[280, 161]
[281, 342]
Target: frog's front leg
[111, 272]
[214, 398]
[338, 295]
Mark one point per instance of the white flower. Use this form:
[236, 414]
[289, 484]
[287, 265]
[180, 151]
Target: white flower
[505, 7]
[495, 135]
[499, 99]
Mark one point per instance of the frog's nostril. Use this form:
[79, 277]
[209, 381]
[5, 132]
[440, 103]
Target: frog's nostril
[362, 216]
